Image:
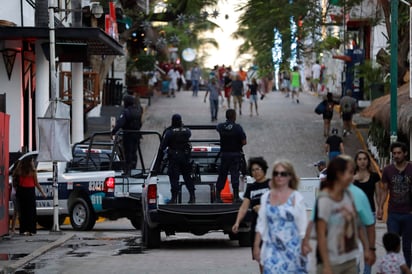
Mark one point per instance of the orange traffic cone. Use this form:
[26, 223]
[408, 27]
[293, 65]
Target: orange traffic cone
[226, 195]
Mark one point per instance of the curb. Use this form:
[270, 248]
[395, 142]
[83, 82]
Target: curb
[11, 268]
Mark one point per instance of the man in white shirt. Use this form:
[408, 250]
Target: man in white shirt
[173, 75]
[316, 71]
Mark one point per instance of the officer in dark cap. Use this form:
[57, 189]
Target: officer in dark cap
[232, 140]
[176, 141]
[130, 119]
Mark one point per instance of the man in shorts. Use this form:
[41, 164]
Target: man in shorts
[347, 109]
[295, 83]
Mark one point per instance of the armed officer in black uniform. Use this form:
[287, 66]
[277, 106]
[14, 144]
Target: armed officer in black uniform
[176, 141]
[232, 140]
[130, 119]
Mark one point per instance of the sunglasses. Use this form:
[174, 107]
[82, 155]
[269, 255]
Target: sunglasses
[281, 174]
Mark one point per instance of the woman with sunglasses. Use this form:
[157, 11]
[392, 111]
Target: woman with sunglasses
[281, 224]
[251, 198]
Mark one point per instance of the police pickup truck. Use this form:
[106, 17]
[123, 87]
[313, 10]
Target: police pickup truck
[93, 184]
[198, 218]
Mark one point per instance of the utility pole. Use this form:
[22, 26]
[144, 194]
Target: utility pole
[394, 71]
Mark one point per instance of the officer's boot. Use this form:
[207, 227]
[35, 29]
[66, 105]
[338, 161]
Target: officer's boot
[173, 200]
[218, 199]
[192, 199]
[236, 198]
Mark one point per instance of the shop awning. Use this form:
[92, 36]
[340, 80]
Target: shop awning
[98, 42]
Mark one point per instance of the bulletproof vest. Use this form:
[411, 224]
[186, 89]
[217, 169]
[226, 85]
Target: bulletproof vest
[229, 139]
[133, 118]
[180, 139]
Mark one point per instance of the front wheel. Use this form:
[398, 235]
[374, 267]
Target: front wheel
[150, 236]
[82, 216]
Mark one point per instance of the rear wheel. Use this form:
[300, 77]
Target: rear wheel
[150, 236]
[82, 216]
[47, 221]
[136, 222]
[244, 239]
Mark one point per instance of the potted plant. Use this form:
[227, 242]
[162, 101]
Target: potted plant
[373, 80]
[139, 69]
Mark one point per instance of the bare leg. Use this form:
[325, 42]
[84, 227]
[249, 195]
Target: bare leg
[326, 127]
[256, 107]
[251, 109]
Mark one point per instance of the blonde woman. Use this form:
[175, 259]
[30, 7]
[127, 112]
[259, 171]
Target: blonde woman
[281, 224]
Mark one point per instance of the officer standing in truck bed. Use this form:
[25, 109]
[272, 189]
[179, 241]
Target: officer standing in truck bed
[232, 140]
[176, 141]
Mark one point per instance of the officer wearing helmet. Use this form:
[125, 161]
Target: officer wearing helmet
[176, 142]
[130, 120]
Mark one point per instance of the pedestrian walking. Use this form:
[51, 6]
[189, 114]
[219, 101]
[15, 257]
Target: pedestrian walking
[176, 140]
[227, 79]
[253, 88]
[251, 198]
[366, 179]
[363, 209]
[347, 109]
[237, 93]
[334, 145]
[281, 224]
[393, 262]
[296, 83]
[232, 140]
[25, 176]
[337, 228]
[329, 103]
[196, 74]
[213, 90]
[130, 121]
[173, 76]
[188, 77]
[285, 86]
[316, 74]
[396, 179]
[321, 167]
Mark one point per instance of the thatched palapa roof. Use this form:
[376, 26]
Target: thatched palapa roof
[380, 110]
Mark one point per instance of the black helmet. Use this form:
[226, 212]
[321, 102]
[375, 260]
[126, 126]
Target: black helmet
[128, 100]
[176, 120]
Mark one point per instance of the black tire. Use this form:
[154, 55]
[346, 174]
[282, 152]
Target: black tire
[82, 216]
[244, 239]
[47, 221]
[136, 222]
[150, 236]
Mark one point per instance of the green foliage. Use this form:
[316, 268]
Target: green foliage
[380, 138]
[142, 62]
[371, 74]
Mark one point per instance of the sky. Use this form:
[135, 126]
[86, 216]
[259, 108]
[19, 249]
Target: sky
[227, 53]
